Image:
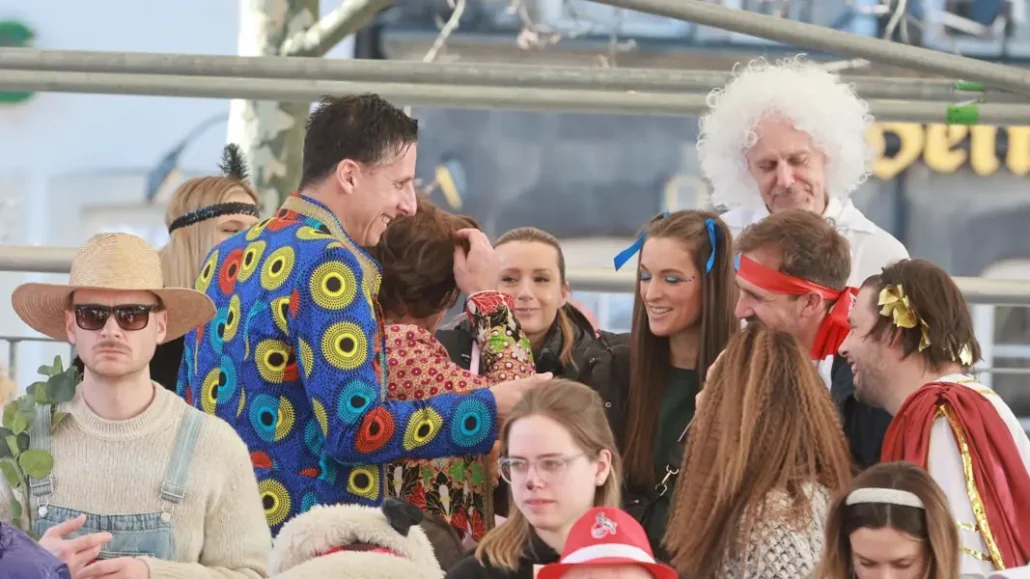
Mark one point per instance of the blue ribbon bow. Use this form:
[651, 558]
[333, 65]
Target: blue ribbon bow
[710, 224]
[638, 244]
[626, 254]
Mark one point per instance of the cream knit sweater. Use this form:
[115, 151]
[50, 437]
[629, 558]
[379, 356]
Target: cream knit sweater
[116, 467]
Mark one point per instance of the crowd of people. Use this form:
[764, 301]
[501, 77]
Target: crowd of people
[284, 397]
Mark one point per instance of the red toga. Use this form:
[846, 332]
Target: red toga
[1000, 477]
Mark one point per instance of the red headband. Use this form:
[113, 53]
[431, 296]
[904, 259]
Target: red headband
[835, 325]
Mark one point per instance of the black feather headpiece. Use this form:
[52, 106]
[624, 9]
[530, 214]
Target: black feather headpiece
[233, 165]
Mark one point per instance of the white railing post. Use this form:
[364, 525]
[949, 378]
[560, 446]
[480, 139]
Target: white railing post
[983, 327]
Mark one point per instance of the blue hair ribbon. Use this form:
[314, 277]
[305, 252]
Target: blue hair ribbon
[710, 224]
[638, 244]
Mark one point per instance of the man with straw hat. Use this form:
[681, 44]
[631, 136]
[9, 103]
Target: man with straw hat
[143, 486]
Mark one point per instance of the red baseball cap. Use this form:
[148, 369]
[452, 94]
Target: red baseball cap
[606, 537]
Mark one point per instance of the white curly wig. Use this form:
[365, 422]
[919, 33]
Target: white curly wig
[817, 102]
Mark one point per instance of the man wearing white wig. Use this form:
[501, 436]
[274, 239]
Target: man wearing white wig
[793, 136]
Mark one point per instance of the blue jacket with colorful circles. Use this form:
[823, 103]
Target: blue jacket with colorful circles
[295, 360]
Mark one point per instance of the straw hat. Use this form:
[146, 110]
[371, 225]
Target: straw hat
[111, 261]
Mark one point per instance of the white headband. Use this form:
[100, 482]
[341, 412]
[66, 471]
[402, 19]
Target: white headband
[884, 496]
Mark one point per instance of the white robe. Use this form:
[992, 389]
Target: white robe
[945, 466]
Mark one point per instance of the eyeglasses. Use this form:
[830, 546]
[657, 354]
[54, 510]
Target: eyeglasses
[130, 317]
[550, 469]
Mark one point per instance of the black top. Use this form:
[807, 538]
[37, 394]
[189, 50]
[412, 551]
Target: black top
[164, 366]
[864, 426]
[536, 553]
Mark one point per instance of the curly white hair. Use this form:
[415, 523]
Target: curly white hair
[817, 101]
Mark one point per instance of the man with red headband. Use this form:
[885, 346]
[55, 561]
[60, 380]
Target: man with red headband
[910, 347]
[792, 270]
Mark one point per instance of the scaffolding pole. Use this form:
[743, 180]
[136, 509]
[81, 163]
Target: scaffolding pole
[48, 259]
[815, 37]
[526, 99]
[463, 74]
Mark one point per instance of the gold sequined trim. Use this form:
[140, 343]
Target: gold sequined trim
[369, 269]
[967, 527]
[979, 512]
[976, 554]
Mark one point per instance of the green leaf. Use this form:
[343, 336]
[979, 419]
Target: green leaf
[9, 411]
[44, 370]
[19, 423]
[26, 405]
[58, 366]
[61, 387]
[12, 443]
[457, 470]
[23, 442]
[15, 510]
[5, 452]
[11, 473]
[38, 392]
[36, 463]
[57, 418]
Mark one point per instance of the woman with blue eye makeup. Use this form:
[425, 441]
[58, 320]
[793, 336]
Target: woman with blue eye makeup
[682, 320]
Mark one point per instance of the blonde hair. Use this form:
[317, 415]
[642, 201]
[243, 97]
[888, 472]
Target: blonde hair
[580, 411]
[8, 390]
[933, 524]
[767, 423]
[563, 319]
[187, 247]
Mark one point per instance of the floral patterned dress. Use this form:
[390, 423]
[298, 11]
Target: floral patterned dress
[459, 489]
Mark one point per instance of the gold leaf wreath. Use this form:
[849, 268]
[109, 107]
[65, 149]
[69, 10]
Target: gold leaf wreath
[894, 304]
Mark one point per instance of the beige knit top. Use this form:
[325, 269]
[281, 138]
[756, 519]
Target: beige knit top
[777, 550]
[109, 467]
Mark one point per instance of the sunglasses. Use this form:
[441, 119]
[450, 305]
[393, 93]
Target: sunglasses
[130, 317]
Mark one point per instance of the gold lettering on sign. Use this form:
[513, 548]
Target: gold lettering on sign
[912, 137]
[946, 148]
[983, 156]
[939, 153]
[1018, 157]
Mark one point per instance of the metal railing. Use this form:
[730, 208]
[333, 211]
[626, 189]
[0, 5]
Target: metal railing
[42, 259]
[12, 350]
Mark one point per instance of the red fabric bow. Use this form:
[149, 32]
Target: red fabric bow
[998, 471]
[835, 325]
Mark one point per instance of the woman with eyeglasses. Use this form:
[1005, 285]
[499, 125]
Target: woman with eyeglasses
[559, 459]
[203, 212]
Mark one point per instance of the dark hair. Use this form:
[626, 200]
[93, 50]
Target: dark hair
[932, 524]
[810, 248]
[936, 301]
[649, 354]
[767, 424]
[364, 128]
[564, 318]
[417, 256]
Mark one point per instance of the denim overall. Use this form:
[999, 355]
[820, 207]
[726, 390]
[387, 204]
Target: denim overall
[135, 535]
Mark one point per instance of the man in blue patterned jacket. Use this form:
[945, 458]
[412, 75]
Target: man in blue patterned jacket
[294, 359]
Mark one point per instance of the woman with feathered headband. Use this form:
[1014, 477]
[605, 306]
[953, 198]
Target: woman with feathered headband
[203, 212]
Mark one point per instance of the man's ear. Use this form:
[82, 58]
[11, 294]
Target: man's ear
[347, 175]
[161, 320]
[69, 325]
